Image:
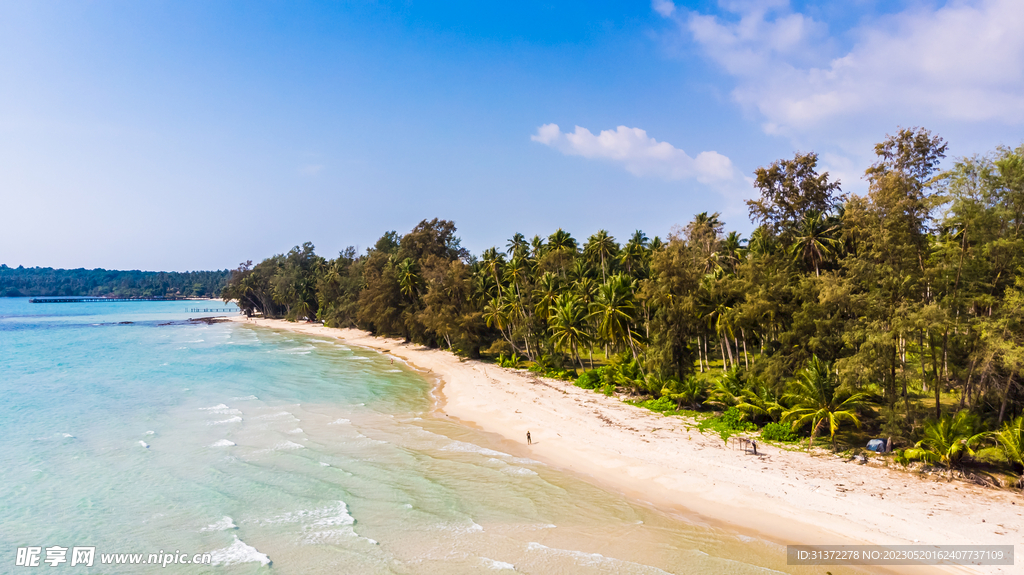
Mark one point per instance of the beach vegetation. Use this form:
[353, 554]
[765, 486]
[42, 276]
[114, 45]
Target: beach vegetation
[948, 441]
[840, 316]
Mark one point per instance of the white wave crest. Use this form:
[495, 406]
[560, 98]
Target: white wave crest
[518, 471]
[288, 445]
[497, 565]
[235, 419]
[595, 559]
[339, 421]
[143, 444]
[463, 447]
[238, 553]
[222, 443]
[218, 406]
[224, 524]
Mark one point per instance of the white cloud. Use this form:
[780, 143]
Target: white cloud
[663, 7]
[639, 153]
[961, 62]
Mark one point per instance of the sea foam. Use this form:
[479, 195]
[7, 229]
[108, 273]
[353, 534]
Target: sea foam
[222, 443]
[224, 524]
[238, 553]
[235, 419]
[497, 565]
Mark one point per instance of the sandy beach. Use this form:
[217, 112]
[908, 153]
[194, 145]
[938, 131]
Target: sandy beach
[785, 496]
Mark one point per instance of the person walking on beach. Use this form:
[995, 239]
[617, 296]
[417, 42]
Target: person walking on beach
[529, 441]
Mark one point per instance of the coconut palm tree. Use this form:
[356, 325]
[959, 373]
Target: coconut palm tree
[601, 247]
[1011, 438]
[302, 310]
[518, 246]
[548, 289]
[818, 400]
[537, 247]
[614, 313]
[494, 262]
[816, 240]
[692, 392]
[948, 440]
[561, 240]
[569, 325]
[408, 278]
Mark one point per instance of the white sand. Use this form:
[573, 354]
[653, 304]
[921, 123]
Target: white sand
[784, 496]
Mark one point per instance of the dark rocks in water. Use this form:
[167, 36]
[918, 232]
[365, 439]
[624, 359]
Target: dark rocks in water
[125, 322]
[207, 320]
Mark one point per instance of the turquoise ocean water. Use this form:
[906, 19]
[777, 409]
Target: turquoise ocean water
[277, 452]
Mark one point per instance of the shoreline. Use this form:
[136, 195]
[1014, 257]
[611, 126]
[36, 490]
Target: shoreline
[786, 497]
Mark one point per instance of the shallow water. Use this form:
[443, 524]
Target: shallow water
[261, 446]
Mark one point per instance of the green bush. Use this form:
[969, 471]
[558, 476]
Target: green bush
[727, 424]
[661, 405]
[590, 379]
[778, 432]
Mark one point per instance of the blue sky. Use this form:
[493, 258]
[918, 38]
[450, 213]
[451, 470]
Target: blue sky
[195, 135]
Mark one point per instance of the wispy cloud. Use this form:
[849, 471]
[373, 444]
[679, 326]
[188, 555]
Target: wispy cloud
[637, 152]
[963, 62]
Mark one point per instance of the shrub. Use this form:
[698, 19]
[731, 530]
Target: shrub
[778, 432]
[590, 379]
[660, 405]
[726, 424]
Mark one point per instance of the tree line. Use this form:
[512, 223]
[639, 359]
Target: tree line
[901, 309]
[42, 282]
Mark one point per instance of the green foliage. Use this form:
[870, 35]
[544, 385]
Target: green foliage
[876, 310]
[44, 282]
[727, 424]
[948, 441]
[591, 379]
[778, 432]
[512, 361]
[818, 400]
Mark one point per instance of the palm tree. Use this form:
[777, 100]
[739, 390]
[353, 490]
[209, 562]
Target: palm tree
[586, 289]
[1011, 437]
[494, 262]
[602, 247]
[817, 399]
[614, 311]
[580, 269]
[569, 327]
[948, 440]
[815, 240]
[693, 392]
[561, 241]
[302, 310]
[408, 278]
[635, 254]
[537, 247]
[728, 391]
[515, 273]
[548, 288]
[732, 251]
[518, 246]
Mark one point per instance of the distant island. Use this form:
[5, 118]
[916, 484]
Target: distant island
[42, 282]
